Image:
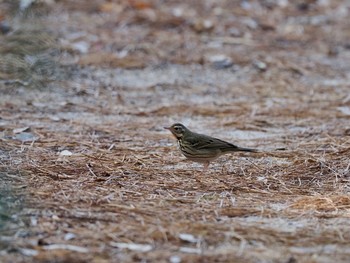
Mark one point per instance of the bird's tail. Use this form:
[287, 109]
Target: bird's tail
[241, 149]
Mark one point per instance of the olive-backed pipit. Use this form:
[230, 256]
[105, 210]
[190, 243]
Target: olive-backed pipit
[202, 148]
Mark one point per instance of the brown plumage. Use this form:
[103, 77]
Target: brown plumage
[202, 148]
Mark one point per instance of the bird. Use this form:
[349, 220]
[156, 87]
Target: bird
[202, 148]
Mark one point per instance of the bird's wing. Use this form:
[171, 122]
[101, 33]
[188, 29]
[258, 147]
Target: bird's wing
[204, 142]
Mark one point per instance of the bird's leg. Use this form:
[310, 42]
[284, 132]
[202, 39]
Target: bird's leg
[206, 165]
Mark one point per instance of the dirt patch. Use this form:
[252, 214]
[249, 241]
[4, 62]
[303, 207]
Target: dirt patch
[89, 174]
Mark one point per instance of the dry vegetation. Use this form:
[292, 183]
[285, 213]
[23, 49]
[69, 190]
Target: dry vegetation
[88, 174]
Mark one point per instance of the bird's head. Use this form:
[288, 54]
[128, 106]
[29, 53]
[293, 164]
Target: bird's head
[178, 130]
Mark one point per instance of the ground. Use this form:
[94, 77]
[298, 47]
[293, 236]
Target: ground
[88, 174]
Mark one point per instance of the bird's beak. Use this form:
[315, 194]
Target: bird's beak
[167, 128]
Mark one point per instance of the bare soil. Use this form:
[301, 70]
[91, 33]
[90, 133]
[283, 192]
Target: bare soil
[88, 174]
